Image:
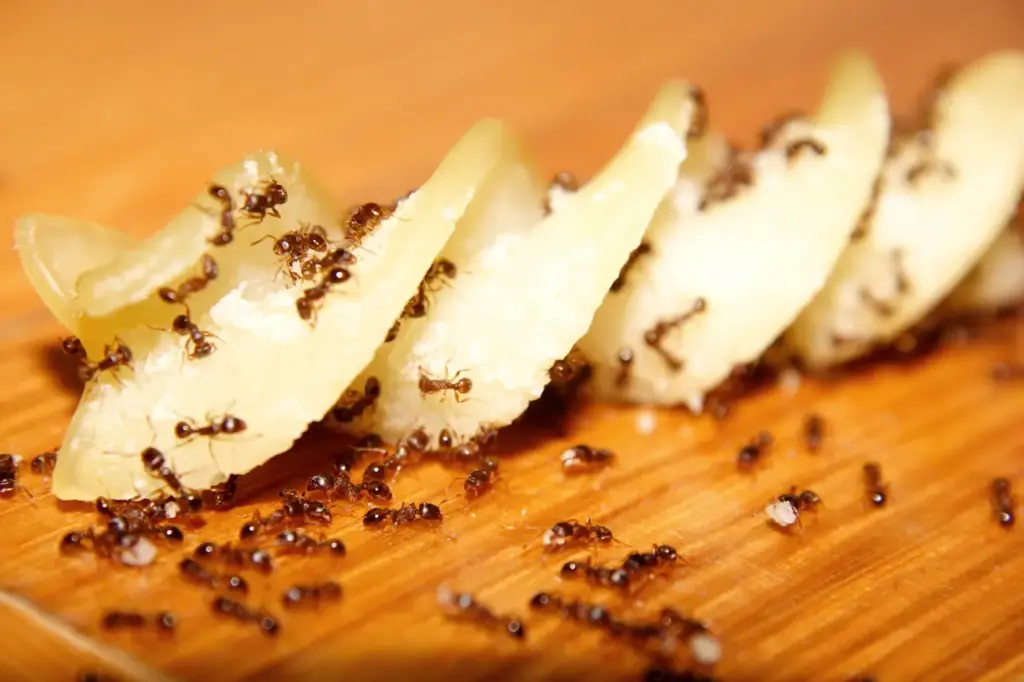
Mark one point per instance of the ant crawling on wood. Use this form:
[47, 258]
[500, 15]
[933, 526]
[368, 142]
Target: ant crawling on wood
[44, 464]
[462, 605]
[877, 491]
[120, 620]
[569, 533]
[225, 606]
[295, 542]
[583, 458]
[311, 595]
[193, 571]
[9, 476]
[258, 559]
[785, 509]
[1003, 503]
[406, 513]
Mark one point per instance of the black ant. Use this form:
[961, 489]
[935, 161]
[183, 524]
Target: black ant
[642, 250]
[226, 425]
[566, 533]
[44, 464]
[195, 572]
[268, 624]
[115, 355]
[9, 476]
[654, 336]
[459, 386]
[258, 559]
[192, 284]
[304, 595]
[405, 513]
[602, 576]
[878, 492]
[155, 464]
[751, 453]
[441, 270]
[480, 481]
[814, 432]
[625, 360]
[264, 201]
[227, 216]
[353, 404]
[582, 458]
[293, 506]
[294, 542]
[72, 345]
[1002, 502]
[120, 620]
[465, 606]
[196, 346]
[363, 220]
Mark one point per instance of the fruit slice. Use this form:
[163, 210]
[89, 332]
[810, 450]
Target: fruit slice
[526, 287]
[55, 251]
[271, 369]
[735, 257]
[944, 197]
[997, 281]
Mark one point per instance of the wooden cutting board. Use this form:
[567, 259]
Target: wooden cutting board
[118, 116]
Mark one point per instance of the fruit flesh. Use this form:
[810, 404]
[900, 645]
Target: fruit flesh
[271, 369]
[997, 280]
[755, 259]
[927, 229]
[527, 286]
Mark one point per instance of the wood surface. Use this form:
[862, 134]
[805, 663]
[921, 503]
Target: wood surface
[118, 114]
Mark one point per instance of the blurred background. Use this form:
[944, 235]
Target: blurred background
[117, 112]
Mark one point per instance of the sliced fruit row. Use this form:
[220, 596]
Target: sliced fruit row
[451, 310]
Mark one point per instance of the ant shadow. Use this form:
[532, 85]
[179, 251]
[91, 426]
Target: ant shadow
[62, 366]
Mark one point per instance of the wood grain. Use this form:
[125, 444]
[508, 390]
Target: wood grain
[117, 116]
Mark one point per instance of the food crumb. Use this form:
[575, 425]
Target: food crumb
[706, 648]
[790, 380]
[782, 512]
[141, 553]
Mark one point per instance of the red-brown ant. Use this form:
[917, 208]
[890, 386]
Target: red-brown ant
[115, 355]
[268, 624]
[294, 542]
[441, 271]
[196, 345]
[363, 220]
[726, 183]
[583, 458]
[155, 464]
[814, 432]
[44, 464]
[567, 533]
[785, 509]
[227, 215]
[192, 284]
[901, 287]
[795, 148]
[353, 404]
[72, 345]
[9, 476]
[479, 481]
[297, 246]
[227, 424]
[752, 453]
[462, 605]
[120, 620]
[258, 559]
[770, 131]
[308, 595]
[263, 201]
[601, 576]
[642, 250]
[655, 336]
[625, 360]
[459, 386]
[309, 303]
[195, 572]
[877, 491]
[405, 513]
[341, 485]
[1002, 502]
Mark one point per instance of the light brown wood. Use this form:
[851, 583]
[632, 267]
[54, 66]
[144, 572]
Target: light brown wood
[118, 115]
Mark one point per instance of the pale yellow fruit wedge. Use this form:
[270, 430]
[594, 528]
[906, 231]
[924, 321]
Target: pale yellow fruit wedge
[997, 281]
[271, 369]
[55, 251]
[944, 198]
[753, 259]
[526, 288]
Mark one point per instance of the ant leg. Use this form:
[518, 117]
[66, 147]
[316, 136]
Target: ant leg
[274, 212]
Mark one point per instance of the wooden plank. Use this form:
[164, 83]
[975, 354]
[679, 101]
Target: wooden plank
[137, 106]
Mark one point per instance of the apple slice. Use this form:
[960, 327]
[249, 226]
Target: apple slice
[55, 251]
[944, 197]
[997, 280]
[735, 257]
[525, 288]
[271, 369]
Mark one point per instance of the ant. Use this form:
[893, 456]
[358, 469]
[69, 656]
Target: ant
[192, 284]
[593, 615]
[353, 404]
[867, 216]
[814, 432]
[479, 481]
[727, 182]
[115, 355]
[225, 606]
[460, 387]
[566, 533]
[441, 270]
[227, 215]
[9, 476]
[602, 576]
[196, 345]
[44, 464]
[294, 542]
[295, 246]
[309, 303]
[155, 464]
[228, 424]
[654, 336]
[118, 620]
[770, 131]
[785, 509]
[583, 458]
[795, 148]
[364, 220]
[303, 595]
[751, 453]
[564, 182]
[1002, 502]
[661, 556]
[464, 605]
[72, 345]
[642, 250]
[295, 506]
[699, 120]
[258, 559]
[943, 169]
[878, 492]
[195, 572]
[625, 360]
[342, 486]
[263, 201]
[405, 513]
